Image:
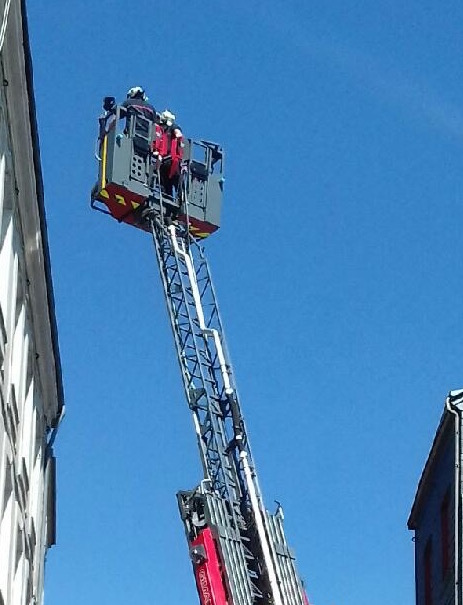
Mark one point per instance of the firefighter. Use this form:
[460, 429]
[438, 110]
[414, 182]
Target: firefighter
[106, 120]
[167, 120]
[170, 152]
[137, 103]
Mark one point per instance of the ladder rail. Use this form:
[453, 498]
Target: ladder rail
[223, 423]
[247, 459]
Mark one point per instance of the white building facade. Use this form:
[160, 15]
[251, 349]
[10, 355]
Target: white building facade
[31, 393]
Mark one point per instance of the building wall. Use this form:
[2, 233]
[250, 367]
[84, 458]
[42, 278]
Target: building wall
[30, 377]
[434, 523]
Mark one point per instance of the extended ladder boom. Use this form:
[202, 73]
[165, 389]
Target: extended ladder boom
[256, 564]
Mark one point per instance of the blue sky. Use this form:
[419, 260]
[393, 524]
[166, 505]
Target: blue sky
[338, 271]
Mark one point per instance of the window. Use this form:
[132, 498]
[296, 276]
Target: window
[428, 573]
[7, 487]
[445, 533]
[19, 547]
[2, 340]
[20, 297]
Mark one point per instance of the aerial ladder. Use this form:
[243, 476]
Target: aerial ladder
[238, 549]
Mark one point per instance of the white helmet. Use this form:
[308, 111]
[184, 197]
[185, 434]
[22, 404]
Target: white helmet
[167, 117]
[137, 92]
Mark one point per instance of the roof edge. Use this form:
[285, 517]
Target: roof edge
[444, 422]
[41, 206]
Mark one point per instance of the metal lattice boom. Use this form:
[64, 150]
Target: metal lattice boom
[259, 567]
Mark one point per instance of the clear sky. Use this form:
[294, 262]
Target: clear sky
[338, 270]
